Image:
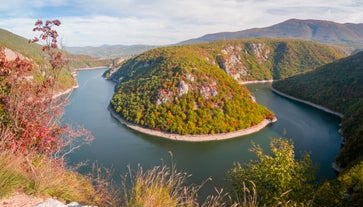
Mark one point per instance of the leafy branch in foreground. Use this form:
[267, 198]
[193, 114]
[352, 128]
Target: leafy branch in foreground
[279, 178]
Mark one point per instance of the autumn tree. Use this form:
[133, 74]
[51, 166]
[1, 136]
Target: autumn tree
[29, 111]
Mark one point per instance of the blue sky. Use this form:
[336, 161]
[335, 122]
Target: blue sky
[159, 22]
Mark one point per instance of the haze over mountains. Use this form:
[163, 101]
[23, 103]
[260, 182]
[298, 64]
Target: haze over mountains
[314, 30]
[322, 31]
[110, 51]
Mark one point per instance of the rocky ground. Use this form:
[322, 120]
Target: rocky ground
[23, 200]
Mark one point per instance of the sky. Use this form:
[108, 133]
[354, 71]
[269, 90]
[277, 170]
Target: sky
[162, 22]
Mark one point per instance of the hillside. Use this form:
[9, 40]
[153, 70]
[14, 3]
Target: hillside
[171, 89]
[314, 30]
[34, 52]
[194, 89]
[261, 59]
[110, 51]
[337, 86]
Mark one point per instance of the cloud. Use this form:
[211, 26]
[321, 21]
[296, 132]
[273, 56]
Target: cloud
[96, 22]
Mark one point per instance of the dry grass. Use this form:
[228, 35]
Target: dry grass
[11, 176]
[164, 186]
[159, 186]
[41, 176]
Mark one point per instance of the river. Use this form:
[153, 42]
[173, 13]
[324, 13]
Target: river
[116, 146]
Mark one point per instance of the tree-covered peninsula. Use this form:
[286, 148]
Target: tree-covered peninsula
[171, 89]
[195, 89]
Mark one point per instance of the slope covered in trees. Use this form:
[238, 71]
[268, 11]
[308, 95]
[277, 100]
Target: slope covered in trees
[262, 59]
[34, 51]
[337, 86]
[181, 93]
[14, 45]
[194, 89]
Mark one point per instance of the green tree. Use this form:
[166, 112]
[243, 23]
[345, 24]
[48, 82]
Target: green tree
[276, 175]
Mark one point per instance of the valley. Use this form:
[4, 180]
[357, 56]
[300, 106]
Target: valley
[184, 103]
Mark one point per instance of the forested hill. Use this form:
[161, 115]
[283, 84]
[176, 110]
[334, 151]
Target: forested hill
[314, 30]
[257, 59]
[173, 90]
[194, 89]
[21, 45]
[337, 86]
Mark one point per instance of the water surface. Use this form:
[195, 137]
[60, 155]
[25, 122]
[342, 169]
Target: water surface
[116, 146]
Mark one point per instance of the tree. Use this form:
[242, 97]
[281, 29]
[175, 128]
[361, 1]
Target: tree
[30, 114]
[275, 175]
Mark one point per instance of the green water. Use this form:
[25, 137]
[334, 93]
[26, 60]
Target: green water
[116, 146]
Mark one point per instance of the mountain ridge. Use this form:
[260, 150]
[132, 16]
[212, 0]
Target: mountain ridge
[323, 31]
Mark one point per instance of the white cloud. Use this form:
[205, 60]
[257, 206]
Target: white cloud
[96, 22]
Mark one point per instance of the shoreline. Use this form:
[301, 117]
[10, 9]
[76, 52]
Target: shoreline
[335, 166]
[255, 81]
[191, 138]
[91, 68]
[340, 115]
[69, 90]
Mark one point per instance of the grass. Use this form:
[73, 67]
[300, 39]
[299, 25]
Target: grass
[160, 186]
[41, 176]
[164, 186]
[10, 176]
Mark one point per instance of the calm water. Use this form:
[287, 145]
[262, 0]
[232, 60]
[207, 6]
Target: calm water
[116, 146]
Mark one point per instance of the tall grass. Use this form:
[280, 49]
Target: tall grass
[41, 176]
[164, 186]
[11, 176]
[160, 186]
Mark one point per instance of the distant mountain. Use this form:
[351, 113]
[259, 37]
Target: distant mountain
[110, 51]
[314, 30]
[194, 89]
[337, 86]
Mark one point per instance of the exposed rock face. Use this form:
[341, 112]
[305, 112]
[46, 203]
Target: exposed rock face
[209, 91]
[190, 77]
[183, 88]
[262, 54]
[12, 55]
[164, 96]
[231, 62]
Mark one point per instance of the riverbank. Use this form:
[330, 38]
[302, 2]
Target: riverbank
[308, 103]
[256, 81]
[91, 68]
[191, 138]
[68, 91]
[335, 166]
